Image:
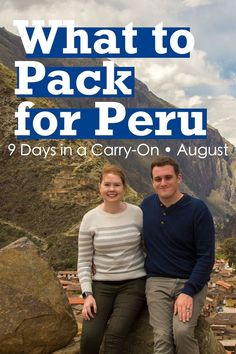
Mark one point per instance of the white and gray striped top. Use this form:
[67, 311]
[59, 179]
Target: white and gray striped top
[113, 243]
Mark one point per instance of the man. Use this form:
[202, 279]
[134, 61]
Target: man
[179, 238]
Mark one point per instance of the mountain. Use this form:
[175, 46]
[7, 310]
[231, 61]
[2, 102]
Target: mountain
[45, 198]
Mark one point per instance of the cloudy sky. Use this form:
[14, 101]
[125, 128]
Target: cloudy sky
[208, 79]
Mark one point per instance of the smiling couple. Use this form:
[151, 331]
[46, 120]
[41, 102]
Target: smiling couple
[178, 234]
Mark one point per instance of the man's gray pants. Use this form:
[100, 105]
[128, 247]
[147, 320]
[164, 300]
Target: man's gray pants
[171, 336]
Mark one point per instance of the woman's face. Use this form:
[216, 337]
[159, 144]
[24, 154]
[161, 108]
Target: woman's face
[111, 188]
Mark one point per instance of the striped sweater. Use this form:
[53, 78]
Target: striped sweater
[113, 243]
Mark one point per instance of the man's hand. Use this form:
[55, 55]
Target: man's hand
[184, 307]
[90, 307]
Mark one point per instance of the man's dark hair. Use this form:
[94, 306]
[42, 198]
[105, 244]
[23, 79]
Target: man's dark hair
[163, 161]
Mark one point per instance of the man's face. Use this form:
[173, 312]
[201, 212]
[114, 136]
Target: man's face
[165, 182]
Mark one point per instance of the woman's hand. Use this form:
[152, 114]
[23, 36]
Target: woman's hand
[90, 307]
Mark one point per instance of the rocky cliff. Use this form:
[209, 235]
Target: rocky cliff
[36, 317]
[44, 198]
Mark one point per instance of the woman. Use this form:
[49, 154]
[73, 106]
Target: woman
[110, 237]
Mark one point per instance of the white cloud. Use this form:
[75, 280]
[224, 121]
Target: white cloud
[196, 3]
[221, 115]
[165, 77]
